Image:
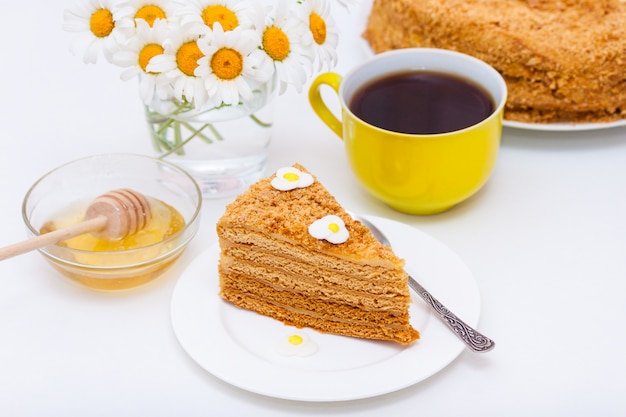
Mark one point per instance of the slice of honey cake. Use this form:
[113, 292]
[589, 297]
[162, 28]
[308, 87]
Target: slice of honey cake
[291, 252]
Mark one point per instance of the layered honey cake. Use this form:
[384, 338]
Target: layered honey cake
[291, 252]
[563, 60]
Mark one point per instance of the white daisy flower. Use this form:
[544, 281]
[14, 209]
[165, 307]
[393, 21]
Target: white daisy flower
[150, 10]
[330, 228]
[325, 32]
[232, 64]
[147, 43]
[289, 178]
[287, 41]
[105, 25]
[179, 63]
[230, 14]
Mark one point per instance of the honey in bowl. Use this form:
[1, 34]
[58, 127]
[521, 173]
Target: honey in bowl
[117, 264]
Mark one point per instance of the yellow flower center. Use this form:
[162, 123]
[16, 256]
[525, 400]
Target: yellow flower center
[227, 63]
[295, 339]
[334, 227]
[101, 23]
[150, 13]
[218, 13]
[291, 176]
[187, 57]
[276, 43]
[146, 54]
[318, 28]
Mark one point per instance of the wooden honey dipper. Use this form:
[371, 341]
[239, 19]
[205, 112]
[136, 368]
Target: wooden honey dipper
[111, 216]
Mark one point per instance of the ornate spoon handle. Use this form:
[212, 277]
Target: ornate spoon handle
[472, 338]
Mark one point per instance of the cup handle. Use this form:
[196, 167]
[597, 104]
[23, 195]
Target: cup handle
[317, 103]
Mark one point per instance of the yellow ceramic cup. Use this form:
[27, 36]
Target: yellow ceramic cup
[416, 174]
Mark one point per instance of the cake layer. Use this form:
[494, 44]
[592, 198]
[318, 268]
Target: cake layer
[387, 328]
[297, 278]
[367, 268]
[335, 309]
[389, 283]
[561, 60]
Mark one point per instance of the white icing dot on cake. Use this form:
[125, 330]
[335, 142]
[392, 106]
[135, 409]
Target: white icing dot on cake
[289, 178]
[330, 228]
[296, 344]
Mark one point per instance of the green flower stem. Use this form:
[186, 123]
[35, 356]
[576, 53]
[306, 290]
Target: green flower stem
[165, 126]
[178, 139]
[199, 131]
[259, 121]
[217, 134]
[169, 133]
[179, 143]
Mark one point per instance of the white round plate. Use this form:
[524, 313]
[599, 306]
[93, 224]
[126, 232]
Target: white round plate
[563, 127]
[239, 346]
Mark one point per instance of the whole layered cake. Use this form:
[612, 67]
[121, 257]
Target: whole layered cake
[291, 252]
[563, 60]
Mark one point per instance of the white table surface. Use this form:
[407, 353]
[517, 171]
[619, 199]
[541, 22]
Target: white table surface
[545, 239]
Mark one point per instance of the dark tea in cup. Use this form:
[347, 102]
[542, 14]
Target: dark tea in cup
[421, 102]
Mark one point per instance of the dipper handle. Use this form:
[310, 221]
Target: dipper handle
[97, 223]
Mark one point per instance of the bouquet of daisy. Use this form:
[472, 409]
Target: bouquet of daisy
[205, 54]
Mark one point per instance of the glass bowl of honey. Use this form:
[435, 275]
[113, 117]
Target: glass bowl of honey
[61, 197]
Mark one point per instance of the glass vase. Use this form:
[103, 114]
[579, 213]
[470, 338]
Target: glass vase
[223, 148]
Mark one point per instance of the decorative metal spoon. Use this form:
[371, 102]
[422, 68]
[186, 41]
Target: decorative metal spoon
[475, 340]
